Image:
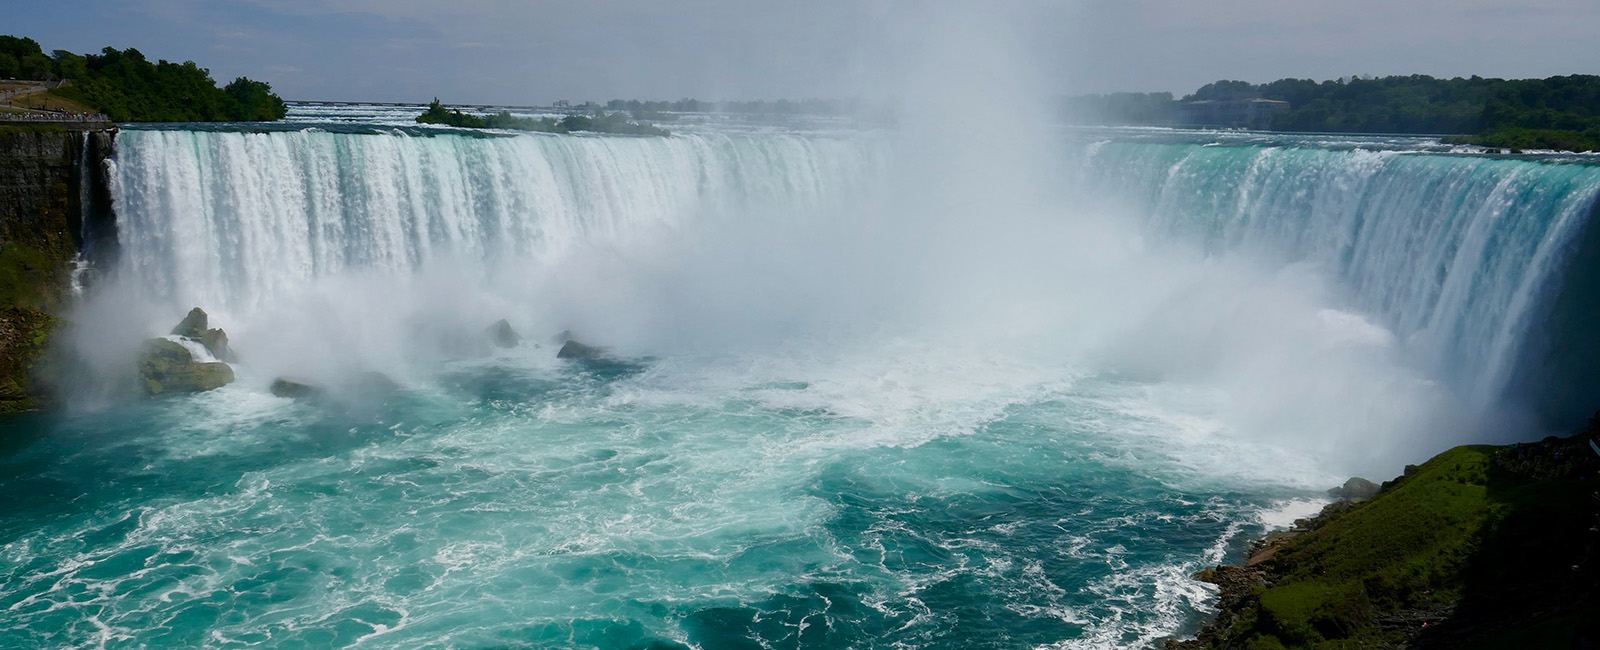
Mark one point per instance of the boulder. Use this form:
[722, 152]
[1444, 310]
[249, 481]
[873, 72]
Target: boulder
[365, 387]
[375, 384]
[216, 342]
[1355, 489]
[575, 350]
[503, 336]
[293, 389]
[166, 366]
[193, 326]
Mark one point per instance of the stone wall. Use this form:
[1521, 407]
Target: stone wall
[52, 194]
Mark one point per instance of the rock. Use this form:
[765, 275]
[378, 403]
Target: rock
[376, 384]
[575, 350]
[503, 336]
[193, 326]
[1356, 488]
[292, 389]
[216, 342]
[166, 366]
[350, 391]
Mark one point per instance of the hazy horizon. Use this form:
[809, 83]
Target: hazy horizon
[501, 52]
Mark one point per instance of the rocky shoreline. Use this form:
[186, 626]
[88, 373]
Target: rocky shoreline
[1480, 547]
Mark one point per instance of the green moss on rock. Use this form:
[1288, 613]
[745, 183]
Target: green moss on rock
[166, 366]
[36, 250]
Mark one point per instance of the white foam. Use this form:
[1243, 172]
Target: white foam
[1284, 514]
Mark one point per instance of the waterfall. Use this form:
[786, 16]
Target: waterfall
[236, 220]
[1461, 257]
[80, 261]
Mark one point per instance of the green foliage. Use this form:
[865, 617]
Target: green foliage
[21, 58]
[254, 102]
[600, 123]
[505, 120]
[1555, 113]
[1410, 540]
[1518, 139]
[1223, 90]
[438, 114]
[1471, 524]
[127, 87]
[609, 123]
[69, 65]
[1313, 611]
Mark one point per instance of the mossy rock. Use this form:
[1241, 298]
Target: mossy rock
[216, 342]
[193, 326]
[166, 366]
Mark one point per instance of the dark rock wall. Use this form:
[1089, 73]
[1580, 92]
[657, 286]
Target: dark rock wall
[52, 194]
[1556, 379]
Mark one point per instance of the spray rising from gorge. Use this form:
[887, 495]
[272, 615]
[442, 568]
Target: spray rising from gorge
[967, 382]
[333, 251]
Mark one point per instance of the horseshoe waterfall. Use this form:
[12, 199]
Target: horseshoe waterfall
[839, 388]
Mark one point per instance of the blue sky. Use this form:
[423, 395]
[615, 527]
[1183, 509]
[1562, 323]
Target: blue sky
[537, 51]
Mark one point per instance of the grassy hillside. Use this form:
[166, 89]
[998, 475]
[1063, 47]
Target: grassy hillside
[47, 100]
[1476, 548]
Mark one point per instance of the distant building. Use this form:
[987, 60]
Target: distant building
[1232, 113]
[562, 103]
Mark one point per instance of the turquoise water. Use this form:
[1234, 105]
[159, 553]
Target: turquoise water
[529, 503]
[865, 391]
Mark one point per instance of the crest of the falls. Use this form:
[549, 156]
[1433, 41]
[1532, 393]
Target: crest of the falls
[1461, 258]
[238, 219]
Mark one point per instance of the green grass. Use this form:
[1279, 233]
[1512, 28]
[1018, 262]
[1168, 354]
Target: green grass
[1493, 531]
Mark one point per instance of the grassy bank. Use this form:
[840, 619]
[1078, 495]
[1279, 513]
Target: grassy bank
[1480, 547]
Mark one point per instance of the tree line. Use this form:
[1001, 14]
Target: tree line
[1554, 113]
[599, 122]
[127, 87]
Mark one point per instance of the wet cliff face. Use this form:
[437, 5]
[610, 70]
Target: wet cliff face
[49, 179]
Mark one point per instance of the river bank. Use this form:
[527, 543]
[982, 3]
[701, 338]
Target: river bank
[1480, 547]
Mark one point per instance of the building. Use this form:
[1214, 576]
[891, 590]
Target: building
[1254, 113]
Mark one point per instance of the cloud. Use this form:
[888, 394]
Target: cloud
[526, 51]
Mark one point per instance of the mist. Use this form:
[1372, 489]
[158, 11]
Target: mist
[958, 229]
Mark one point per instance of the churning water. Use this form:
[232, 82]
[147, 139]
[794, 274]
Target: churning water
[847, 407]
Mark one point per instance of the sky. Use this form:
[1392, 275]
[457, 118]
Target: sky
[538, 51]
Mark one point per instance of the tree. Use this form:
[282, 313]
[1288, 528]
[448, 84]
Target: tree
[254, 101]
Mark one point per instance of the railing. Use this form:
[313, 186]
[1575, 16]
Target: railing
[31, 89]
[54, 118]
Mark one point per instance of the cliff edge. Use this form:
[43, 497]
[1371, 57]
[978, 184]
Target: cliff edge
[50, 188]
